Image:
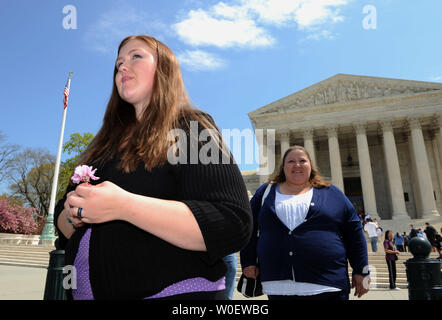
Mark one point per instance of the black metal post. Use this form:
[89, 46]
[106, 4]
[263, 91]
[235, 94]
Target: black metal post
[54, 279]
[423, 274]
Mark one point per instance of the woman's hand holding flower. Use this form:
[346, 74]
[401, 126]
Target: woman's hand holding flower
[99, 203]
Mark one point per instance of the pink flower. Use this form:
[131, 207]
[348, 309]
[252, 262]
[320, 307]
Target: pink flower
[83, 173]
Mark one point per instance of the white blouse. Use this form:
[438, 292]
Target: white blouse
[292, 210]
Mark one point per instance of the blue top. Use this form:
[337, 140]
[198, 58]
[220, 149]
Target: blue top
[399, 241]
[317, 249]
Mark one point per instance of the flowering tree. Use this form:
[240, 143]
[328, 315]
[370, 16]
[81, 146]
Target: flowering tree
[18, 219]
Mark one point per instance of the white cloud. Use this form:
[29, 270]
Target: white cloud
[313, 13]
[274, 12]
[202, 28]
[242, 23]
[198, 60]
[305, 13]
[234, 12]
[226, 24]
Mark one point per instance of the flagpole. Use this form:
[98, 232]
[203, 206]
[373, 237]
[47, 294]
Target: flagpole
[48, 237]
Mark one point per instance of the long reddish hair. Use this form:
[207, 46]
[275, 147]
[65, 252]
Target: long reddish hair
[145, 139]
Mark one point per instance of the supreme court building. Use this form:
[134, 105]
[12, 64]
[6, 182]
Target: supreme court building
[379, 140]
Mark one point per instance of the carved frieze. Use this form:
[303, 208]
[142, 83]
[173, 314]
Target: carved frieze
[342, 91]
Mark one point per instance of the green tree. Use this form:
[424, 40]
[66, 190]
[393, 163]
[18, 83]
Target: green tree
[75, 146]
[78, 143]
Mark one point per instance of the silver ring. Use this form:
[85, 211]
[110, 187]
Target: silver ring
[79, 212]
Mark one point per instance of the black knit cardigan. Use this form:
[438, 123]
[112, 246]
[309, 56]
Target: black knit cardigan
[129, 263]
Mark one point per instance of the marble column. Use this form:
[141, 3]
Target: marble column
[335, 158]
[437, 148]
[266, 141]
[438, 163]
[262, 141]
[399, 210]
[438, 121]
[423, 175]
[285, 141]
[309, 144]
[367, 184]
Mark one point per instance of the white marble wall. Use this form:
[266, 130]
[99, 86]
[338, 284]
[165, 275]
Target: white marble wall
[407, 175]
[380, 180]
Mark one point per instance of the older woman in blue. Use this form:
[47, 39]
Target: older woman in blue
[308, 230]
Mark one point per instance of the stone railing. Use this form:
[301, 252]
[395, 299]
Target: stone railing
[19, 239]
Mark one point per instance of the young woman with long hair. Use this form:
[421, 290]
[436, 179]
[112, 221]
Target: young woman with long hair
[151, 227]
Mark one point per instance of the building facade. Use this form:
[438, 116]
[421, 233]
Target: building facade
[379, 140]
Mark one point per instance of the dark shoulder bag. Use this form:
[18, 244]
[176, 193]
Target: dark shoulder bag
[250, 287]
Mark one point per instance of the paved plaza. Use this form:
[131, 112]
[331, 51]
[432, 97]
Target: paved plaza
[24, 283]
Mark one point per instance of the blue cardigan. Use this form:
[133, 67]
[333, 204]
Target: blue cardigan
[317, 249]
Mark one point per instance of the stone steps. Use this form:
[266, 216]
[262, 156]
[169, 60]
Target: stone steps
[18, 239]
[31, 248]
[25, 255]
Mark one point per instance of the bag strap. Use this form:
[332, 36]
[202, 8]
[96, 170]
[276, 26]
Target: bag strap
[266, 193]
[264, 196]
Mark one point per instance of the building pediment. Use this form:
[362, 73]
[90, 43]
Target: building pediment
[343, 88]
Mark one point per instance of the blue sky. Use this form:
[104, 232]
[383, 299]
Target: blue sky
[235, 55]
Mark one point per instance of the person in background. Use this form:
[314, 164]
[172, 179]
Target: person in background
[433, 237]
[232, 263]
[439, 241]
[300, 213]
[379, 230]
[406, 239]
[399, 242]
[390, 257]
[413, 232]
[375, 221]
[371, 228]
[361, 214]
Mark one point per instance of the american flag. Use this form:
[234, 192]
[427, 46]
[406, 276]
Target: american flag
[66, 91]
